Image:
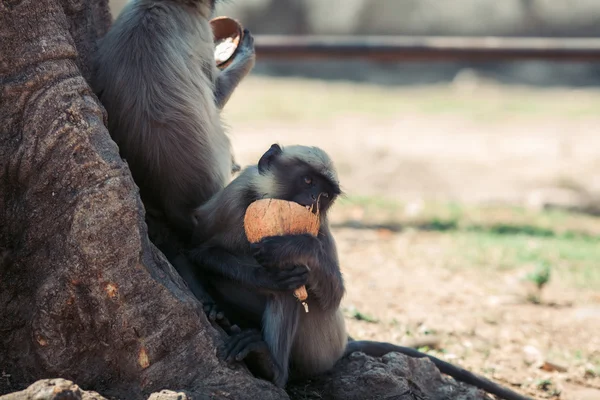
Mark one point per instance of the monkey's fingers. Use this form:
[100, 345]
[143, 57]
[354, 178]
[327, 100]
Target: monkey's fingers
[248, 40]
[254, 347]
[216, 315]
[208, 309]
[292, 278]
[213, 313]
[239, 342]
[292, 270]
[223, 323]
[238, 335]
[262, 256]
[266, 262]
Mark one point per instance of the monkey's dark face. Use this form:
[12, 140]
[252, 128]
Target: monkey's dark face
[301, 184]
[298, 181]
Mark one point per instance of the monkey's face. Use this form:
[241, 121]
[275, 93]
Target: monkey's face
[298, 182]
[310, 189]
[294, 179]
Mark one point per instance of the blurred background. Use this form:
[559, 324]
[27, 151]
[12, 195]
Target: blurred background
[471, 220]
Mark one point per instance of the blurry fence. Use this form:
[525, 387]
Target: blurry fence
[426, 48]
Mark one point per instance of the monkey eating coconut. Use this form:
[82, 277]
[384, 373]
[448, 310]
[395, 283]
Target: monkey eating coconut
[274, 217]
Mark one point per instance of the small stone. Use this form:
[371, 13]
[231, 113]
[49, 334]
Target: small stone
[532, 354]
[552, 367]
[168, 395]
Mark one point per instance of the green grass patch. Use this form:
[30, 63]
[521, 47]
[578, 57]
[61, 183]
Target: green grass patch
[563, 244]
[352, 312]
[498, 219]
[571, 260]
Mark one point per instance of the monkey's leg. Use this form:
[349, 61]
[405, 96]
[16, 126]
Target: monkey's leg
[378, 349]
[320, 341]
[228, 79]
[169, 245]
[280, 323]
[250, 347]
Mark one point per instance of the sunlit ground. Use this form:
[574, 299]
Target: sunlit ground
[467, 217]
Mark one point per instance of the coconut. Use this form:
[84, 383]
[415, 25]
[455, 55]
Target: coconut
[228, 34]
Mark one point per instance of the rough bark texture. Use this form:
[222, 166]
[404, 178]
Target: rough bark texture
[391, 377]
[84, 295]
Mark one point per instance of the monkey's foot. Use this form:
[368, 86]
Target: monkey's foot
[242, 343]
[214, 314]
[249, 346]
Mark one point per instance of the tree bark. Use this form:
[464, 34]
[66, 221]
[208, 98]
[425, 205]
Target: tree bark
[84, 295]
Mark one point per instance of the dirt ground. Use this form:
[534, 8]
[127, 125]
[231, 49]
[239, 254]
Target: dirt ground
[478, 319]
[480, 145]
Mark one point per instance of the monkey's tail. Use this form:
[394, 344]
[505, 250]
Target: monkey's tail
[378, 349]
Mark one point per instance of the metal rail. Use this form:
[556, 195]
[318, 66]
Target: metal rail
[426, 48]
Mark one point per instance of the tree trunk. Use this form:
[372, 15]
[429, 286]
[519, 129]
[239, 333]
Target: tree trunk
[84, 295]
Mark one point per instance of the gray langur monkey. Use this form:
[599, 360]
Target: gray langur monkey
[259, 279]
[156, 76]
[253, 283]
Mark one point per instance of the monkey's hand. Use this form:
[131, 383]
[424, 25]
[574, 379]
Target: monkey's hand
[275, 251]
[249, 346]
[230, 77]
[283, 278]
[245, 56]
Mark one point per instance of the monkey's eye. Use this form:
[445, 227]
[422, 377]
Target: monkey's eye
[307, 180]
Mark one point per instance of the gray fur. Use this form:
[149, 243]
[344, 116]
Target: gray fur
[280, 322]
[157, 79]
[316, 157]
[320, 340]
[314, 340]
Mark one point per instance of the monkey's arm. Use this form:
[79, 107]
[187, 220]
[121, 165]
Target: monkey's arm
[318, 253]
[228, 79]
[245, 269]
[325, 278]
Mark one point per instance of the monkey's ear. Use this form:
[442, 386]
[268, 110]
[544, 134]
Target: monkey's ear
[267, 158]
